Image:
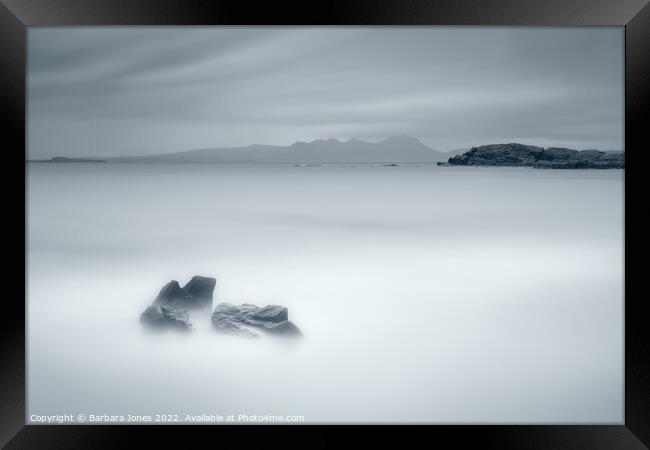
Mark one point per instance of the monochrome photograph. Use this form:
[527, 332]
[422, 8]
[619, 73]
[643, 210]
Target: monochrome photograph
[325, 225]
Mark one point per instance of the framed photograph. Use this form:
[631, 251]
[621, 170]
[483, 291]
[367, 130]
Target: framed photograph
[273, 225]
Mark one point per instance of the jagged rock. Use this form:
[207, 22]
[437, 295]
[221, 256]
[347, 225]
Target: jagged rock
[170, 291]
[201, 288]
[543, 158]
[170, 308]
[247, 320]
[195, 295]
[161, 318]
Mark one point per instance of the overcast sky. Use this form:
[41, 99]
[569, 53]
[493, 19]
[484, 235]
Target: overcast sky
[108, 91]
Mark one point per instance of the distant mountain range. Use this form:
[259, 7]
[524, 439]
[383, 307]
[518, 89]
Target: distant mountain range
[392, 150]
[395, 149]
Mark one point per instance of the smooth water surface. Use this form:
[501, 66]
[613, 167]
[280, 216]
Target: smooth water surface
[425, 294]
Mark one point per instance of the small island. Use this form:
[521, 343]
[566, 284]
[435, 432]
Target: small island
[520, 155]
[64, 159]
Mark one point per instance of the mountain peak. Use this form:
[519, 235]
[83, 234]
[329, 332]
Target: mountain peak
[330, 141]
[401, 138]
[326, 141]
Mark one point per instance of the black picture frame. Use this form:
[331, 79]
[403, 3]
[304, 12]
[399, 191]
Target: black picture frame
[16, 15]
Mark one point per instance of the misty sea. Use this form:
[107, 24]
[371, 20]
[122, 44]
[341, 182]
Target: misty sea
[425, 294]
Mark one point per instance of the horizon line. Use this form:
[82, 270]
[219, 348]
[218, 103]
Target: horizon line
[338, 141]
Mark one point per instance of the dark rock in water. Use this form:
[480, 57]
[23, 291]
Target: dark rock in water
[519, 155]
[271, 313]
[201, 288]
[163, 318]
[171, 306]
[247, 320]
[170, 291]
[195, 295]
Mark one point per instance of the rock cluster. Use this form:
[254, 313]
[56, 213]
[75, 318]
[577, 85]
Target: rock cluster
[538, 157]
[171, 308]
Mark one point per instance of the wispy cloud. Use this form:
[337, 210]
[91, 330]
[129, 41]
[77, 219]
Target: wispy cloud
[133, 90]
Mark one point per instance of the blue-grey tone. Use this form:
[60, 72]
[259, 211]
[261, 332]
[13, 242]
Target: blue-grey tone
[380, 286]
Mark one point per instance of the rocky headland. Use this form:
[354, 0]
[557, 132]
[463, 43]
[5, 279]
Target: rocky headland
[520, 155]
